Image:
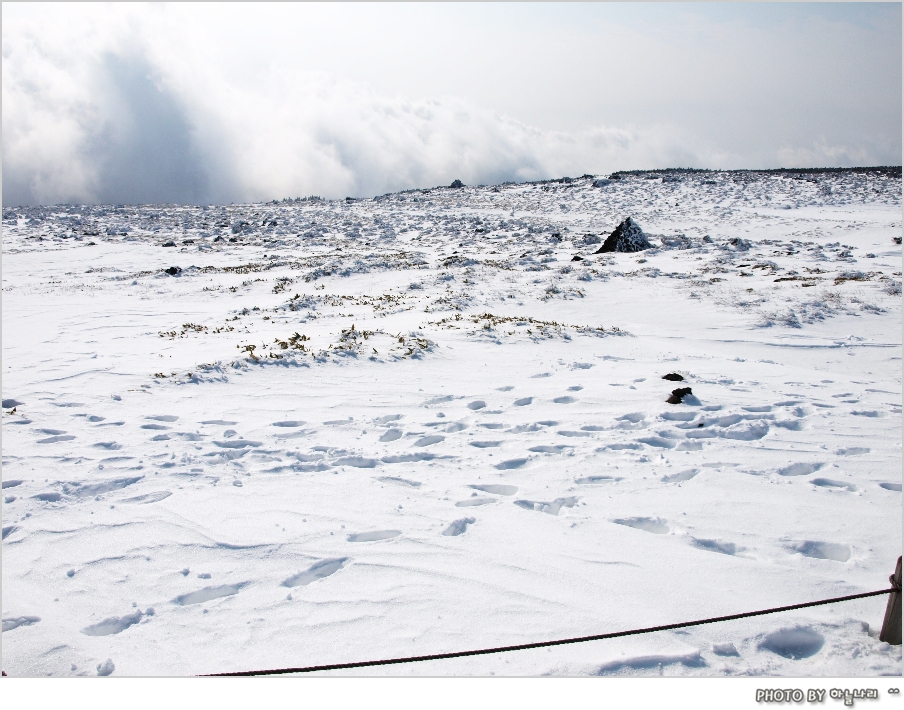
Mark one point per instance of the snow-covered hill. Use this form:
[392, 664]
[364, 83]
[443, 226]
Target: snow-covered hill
[309, 431]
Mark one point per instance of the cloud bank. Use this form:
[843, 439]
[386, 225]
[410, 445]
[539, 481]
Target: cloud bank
[238, 103]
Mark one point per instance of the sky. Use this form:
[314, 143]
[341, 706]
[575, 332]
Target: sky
[217, 103]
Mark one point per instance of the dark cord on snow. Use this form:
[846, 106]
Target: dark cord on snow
[544, 644]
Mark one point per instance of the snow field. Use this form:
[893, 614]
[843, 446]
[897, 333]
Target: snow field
[450, 435]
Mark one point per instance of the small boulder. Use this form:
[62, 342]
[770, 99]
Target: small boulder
[169, 244]
[172, 271]
[673, 377]
[627, 237]
[678, 395]
[456, 184]
[577, 257]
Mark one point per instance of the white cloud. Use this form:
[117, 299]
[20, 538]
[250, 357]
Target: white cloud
[241, 102]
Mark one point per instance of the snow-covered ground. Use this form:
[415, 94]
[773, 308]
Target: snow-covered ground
[350, 430]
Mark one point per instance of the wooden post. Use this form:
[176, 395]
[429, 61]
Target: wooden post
[891, 626]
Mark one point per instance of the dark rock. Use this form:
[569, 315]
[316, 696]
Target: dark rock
[897, 240]
[673, 377]
[739, 244]
[457, 183]
[627, 237]
[678, 395]
[169, 244]
[172, 271]
[577, 257]
[188, 241]
[602, 182]
[566, 180]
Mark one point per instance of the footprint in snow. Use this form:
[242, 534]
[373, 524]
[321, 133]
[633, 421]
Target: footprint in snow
[477, 404]
[655, 662]
[493, 425]
[471, 502]
[822, 550]
[52, 431]
[552, 508]
[794, 643]
[290, 423]
[800, 469]
[387, 419]
[496, 489]
[549, 449]
[219, 422]
[15, 622]
[622, 447]
[208, 594]
[355, 462]
[391, 435]
[588, 480]
[564, 400]
[237, 444]
[725, 649]
[154, 497]
[113, 625]
[524, 401]
[48, 497]
[658, 442]
[507, 388]
[510, 464]
[10, 403]
[164, 418]
[891, 486]
[439, 400]
[399, 481]
[678, 416]
[429, 440]
[455, 426]
[374, 535]
[652, 525]
[155, 427]
[485, 444]
[724, 548]
[90, 490]
[837, 485]
[458, 527]
[574, 434]
[682, 476]
[108, 445]
[318, 570]
[408, 458]
[852, 451]
[636, 417]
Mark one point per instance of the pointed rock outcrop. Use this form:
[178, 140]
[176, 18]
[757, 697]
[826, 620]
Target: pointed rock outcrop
[627, 237]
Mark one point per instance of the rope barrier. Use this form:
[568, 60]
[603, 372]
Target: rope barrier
[544, 644]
